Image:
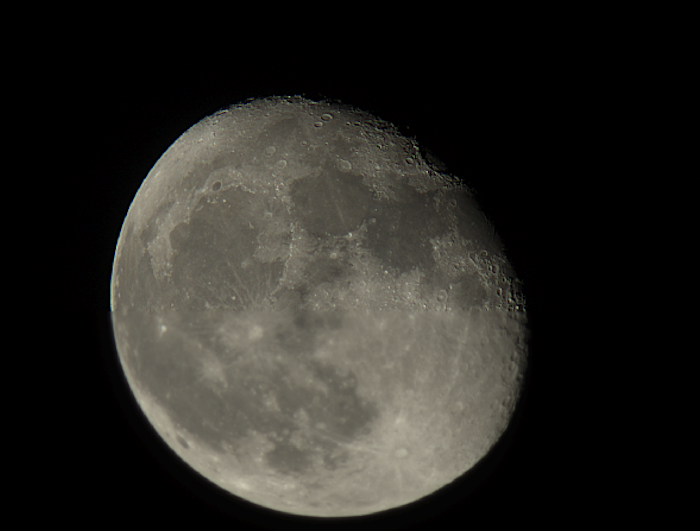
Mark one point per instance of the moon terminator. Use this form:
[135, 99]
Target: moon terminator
[312, 315]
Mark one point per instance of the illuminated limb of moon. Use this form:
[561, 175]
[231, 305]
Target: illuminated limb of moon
[312, 315]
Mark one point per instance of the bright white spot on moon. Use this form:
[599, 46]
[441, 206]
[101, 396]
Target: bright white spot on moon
[255, 333]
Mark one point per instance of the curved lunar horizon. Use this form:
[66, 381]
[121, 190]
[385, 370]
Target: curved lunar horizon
[313, 316]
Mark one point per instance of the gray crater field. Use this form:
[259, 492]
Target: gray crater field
[311, 315]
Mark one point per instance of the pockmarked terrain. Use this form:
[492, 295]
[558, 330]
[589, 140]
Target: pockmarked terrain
[313, 316]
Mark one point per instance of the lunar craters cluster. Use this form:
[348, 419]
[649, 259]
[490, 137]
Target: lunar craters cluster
[278, 210]
[313, 315]
[329, 412]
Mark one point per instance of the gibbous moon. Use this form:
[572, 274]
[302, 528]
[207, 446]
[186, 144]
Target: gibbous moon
[312, 315]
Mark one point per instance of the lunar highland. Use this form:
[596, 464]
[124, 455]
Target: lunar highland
[312, 315]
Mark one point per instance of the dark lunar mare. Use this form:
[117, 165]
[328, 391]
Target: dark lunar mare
[254, 219]
[222, 417]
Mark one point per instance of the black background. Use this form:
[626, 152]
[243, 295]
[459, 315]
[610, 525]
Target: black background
[528, 125]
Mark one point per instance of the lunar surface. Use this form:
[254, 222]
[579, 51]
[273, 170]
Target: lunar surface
[312, 315]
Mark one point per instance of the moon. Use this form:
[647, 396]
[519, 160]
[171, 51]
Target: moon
[313, 313]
